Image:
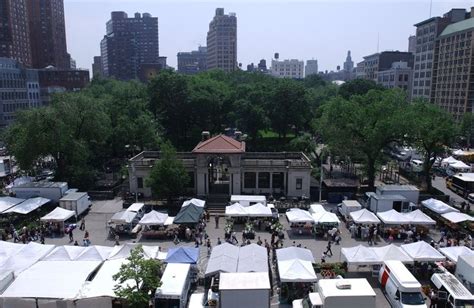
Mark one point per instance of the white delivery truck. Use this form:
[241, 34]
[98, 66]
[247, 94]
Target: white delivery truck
[400, 286]
[175, 285]
[451, 292]
[410, 192]
[465, 271]
[78, 202]
[50, 190]
[348, 206]
[335, 293]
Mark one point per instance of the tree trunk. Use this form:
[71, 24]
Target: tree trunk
[371, 173]
[426, 171]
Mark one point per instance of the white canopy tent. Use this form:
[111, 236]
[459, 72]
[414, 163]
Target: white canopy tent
[246, 200]
[153, 218]
[360, 255]
[8, 249]
[326, 218]
[456, 217]
[448, 160]
[392, 252]
[316, 208]
[459, 166]
[459, 152]
[296, 270]
[290, 253]
[135, 207]
[58, 214]
[235, 210]
[197, 202]
[8, 202]
[51, 279]
[299, 216]
[393, 217]
[364, 216]
[123, 251]
[259, 210]
[28, 206]
[252, 258]
[453, 252]
[438, 206]
[95, 253]
[25, 257]
[421, 251]
[123, 217]
[64, 253]
[417, 217]
[103, 283]
[224, 258]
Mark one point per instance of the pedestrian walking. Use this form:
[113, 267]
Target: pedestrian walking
[42, 238]
[117, 238]
[71, 235]
[328, 249]
[219, 241]
[234, 238]
[259, 241]
[433, 299]
[323, 257]
[216, 218]
[83, 224]
[76, 243]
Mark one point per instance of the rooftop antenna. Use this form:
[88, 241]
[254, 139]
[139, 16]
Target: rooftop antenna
[431, 7]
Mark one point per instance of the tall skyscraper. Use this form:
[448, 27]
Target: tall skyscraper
[48, 34]
[222, 42]
[311, 67]
[130, 45]
[412, 44]
[453, 68]
[14, 31]
[426, 33]
[348, 64]
[97, 67]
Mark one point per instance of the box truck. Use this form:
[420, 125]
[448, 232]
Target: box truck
[78, 202]
[175, 285]
[465, 271]
[451, 292]
[335, 293]
[400, 286]
[50, 190]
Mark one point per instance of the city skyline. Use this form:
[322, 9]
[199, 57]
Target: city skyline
[263, 28]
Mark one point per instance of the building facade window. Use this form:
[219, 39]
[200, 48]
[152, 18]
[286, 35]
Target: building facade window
[250, 180]
[264, 180]
[299, 183]
[140, 182]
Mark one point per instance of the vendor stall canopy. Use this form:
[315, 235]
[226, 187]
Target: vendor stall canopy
[299, 216]
[59, 214]
[190, 214]
[456, 217]
[183, 255]
[364, 216]
[453, 252]
[153, 218]
[196, 202]
[421, 251]
[438, 206]
[28, 206]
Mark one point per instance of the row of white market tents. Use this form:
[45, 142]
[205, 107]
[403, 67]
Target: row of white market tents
[408, 253]
[49, 276]
[316, 214]
[21, 206]
[227, 258]
[446, 211]
[417, 217]
[295, 265]
[256, 210]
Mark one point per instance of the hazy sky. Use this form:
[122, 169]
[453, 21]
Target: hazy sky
[302, 29]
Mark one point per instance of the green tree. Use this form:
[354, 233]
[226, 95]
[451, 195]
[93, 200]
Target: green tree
[364, 125]
[467, 128]
[430, 130]
[168, 177]
[358, 87]
[137, 279]
[288, 108]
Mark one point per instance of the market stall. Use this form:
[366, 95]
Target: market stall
[183, 255]
[58, 215]
[421, 251]
[259, 210]
[190, 214]
[8, 202]
[437, 206]
[456, 217]
[316, 208]
[224, 258]
[392, 252]
[360, 255]
[122, 223]
[235, 210]
[28, 206]
[393, 217]
[154, 218]
[196, 202]
[364, 216]
[247, 200]
[300, 221]
[155, 225]
[453, 252]
[252, 258]
[417, 217]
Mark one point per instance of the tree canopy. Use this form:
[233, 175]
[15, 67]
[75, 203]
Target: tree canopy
[137, 279]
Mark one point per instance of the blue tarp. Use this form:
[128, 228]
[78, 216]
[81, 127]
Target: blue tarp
[183, 255]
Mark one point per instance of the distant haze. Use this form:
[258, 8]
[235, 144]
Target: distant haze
[319, 29]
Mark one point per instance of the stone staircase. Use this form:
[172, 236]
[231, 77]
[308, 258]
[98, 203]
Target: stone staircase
[216, 204]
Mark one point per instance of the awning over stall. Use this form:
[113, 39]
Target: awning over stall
[191, 214]
[364, 216]
[453, 252]
[28, 206]
[235, 210]
[421, 251]
[58, 214]
[8, 202]
[299, 216]
[183, 255]
[393, 217]
[438, 206]
[153, 218]
[259, 210]
[457, 217]
[417, 217]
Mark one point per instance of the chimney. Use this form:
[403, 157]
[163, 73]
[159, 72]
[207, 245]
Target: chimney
[238, 135]
[205, 135]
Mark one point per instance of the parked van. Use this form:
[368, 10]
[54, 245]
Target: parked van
[451, 292]
[401, 287]
[175, 285]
